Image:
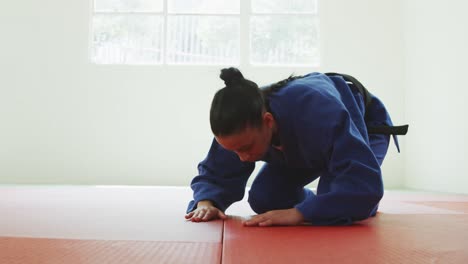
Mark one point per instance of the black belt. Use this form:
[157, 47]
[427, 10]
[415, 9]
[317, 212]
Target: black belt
[387, 130]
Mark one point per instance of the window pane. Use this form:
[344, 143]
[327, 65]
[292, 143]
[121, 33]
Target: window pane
[203, 40]
[204, 6]
[284, 40]
[128, 5]
[281, 6]
[127, 39]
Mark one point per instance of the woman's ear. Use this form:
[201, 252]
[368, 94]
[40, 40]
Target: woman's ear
[268, 120]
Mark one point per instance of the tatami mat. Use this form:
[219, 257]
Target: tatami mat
[79, 224]
[61, 251]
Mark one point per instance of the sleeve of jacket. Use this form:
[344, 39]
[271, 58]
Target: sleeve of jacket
[222, 178]
[351, 185]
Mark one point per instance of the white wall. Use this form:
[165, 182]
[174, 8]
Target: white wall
[436, 59]
[67, 121]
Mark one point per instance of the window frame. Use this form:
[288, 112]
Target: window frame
[245, 15]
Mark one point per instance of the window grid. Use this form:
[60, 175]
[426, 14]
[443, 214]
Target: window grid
[246, 14]
[164, 42]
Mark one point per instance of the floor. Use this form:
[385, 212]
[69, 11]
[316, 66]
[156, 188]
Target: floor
[123, 224]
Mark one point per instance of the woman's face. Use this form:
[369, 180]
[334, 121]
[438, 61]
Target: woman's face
[251, 143]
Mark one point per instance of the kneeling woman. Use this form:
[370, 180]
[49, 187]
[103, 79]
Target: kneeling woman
[304, 128]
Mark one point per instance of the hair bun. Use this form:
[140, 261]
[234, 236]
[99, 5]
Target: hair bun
[231, 76]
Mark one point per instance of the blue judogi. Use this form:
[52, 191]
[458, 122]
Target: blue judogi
[324, 135]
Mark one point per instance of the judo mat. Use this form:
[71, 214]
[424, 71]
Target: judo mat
[83, 224]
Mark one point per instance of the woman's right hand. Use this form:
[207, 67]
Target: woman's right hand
[205, 211]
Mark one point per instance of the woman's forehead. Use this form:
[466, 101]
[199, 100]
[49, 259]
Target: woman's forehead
[238, 140]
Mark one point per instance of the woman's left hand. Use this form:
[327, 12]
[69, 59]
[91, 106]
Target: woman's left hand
[277, 217]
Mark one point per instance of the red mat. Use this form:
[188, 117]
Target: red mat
[454, 206]
[146, 225]
[423, 230]
[388, 238]
[82, 224]
[60, 251]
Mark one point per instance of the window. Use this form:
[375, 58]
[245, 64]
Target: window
[270, 32]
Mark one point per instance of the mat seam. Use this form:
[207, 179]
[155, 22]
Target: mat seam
[222, 242]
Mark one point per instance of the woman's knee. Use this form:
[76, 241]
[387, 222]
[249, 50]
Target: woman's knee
[258, 202]
[262, 201]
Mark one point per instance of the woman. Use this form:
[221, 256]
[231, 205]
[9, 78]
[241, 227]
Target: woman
[304, 128]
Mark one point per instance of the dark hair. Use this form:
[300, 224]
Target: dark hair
[241, 103]
[238, 105]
